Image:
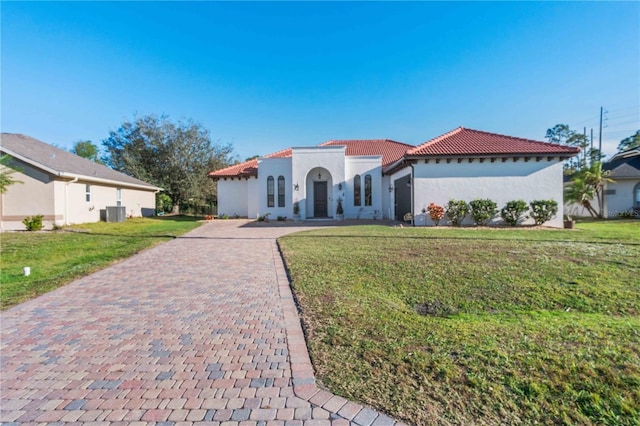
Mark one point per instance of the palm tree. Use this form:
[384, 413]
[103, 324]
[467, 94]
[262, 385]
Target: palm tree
[588, 184]
[580, 193]
[5, 174]
[597, 178]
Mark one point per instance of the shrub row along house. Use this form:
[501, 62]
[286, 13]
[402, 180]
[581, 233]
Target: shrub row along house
[65, 188]
[375, 179]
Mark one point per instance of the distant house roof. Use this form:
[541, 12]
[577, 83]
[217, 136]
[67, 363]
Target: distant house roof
[389, 150]
[624, 164]
[468, 142]
[64, 164]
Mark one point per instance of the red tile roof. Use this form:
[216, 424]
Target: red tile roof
[465, 142]
[391, 151]
[458, 142]
[248, 168]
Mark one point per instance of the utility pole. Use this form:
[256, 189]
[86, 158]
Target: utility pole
[600, 137]
[591, 150]
[584, 147]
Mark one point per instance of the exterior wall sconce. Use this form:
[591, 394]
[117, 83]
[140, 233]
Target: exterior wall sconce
[319, 176]
[390, 188]
[296, 187]
[339, 187]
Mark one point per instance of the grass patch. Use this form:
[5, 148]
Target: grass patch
[58, 257]
[475, 326]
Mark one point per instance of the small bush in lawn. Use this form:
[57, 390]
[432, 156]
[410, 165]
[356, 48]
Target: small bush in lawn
[435, 308]
[456, 211]
[482, 210]
[543, 210]
[436, 213]
[33, 223]
[514, 211]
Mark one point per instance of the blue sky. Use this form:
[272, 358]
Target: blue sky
[265, 76]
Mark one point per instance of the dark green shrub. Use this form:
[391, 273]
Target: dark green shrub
[163, 203]
[543, 210]
[482, 210]
[281, 218]
[456, 211]
[296, 208]
[514, 211]
[223, 216]
[33, 223]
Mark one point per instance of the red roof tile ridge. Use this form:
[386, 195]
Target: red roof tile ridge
[237, 168]
[338, 141]
[284, 153]
[509, 137]
[242, 168]
[435, 140]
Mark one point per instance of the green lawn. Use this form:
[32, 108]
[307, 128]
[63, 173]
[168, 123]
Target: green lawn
[58, 257]
[476, 326]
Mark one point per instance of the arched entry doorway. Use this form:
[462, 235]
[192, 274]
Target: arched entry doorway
[319, 184]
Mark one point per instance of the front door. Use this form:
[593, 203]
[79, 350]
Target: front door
[320, 199]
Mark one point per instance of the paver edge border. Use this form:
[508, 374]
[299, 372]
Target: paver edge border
[302, 376]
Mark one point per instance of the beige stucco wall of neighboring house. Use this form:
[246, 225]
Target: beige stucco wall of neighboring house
[63, 202]
[80, 210]
[137, 202]
[498, 181]
[35, 195]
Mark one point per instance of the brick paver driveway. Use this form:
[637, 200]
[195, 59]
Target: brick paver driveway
[200, 329]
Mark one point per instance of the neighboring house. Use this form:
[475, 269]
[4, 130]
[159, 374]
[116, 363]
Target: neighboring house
[388, 179]
[64, 187]
[623, 194]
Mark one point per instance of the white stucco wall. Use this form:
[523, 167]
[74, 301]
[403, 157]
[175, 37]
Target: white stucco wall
[233, 197]
[498, 181]
[253, 198]
[274, 167]
[363, 165]
[622, 200]
[306, 164]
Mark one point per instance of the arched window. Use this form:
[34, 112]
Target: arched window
[636, 196]
[270, 200]
[356, 190]
[280, 191]
[368, 198]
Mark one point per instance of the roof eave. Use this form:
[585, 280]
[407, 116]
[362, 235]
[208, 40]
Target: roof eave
[488, 155]
[72, 176]
[109, 181]
[31, 162]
